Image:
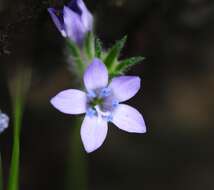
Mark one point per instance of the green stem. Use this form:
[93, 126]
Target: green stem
[76, 56]
[1, 174]
[15, 160]
[19, 86]
[77, 167]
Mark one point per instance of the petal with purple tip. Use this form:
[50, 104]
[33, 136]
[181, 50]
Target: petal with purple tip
[73, 5]
[74, 28]
[129, 119]
[59, 23]
[125, 87]
[96, 75]
[70, 101]
[86, 16]
[93, 133]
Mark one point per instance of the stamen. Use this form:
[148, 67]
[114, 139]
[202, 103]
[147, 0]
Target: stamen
[91, 112]
[107, 113]
[103, 115]
[109, 118]
[91, 94]
[99, 114]
[105, 92]
[115, 103]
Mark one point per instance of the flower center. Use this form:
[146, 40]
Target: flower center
[101, 103]
[96, 101]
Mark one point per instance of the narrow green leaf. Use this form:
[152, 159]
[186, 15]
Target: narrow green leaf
[127, 63]
[114, 53]
[98, 48]
[89, 46]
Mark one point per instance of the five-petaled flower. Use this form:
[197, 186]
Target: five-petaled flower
[101, 103]
[73, 21]
[4, 121]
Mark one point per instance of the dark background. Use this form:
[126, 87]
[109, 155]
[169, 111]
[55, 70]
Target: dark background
[176, 98]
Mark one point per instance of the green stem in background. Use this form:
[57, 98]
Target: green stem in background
[1, 174]
[77, 163]
[15, 160]
[77, 174]
[19, 86]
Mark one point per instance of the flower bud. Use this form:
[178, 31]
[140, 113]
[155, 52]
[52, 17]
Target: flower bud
[73, 21]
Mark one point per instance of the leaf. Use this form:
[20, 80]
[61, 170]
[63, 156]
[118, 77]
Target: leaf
[89, 46]
[114, 53]
[127, 63]
[98, 48]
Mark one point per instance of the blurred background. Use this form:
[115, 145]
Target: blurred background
[176, 97]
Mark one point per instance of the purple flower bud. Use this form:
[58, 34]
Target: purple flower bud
[73, 21]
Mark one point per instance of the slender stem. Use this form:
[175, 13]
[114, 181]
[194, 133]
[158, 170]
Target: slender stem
[1, 174]
[19, 86]
[76, 56]
[77, 166]
[15, 160]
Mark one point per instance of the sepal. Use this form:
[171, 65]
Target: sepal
[98, 48]
[126, 64]
[114, 53]
[89, 46]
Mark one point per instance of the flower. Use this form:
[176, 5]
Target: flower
[102, 104]
[73, 21]
[4, 121]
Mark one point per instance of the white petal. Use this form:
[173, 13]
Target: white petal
[70, 101]
[125, 87]
[129, 119]
[93, 133]
[96, 75]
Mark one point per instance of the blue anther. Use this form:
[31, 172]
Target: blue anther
[105, 92]
[90, 112]
[115, 103]
[109, 118]
[91, 94]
